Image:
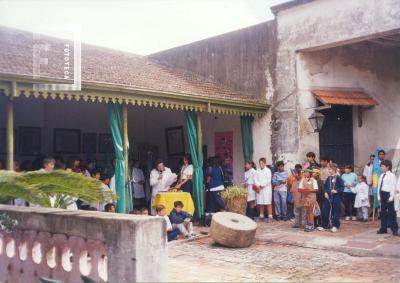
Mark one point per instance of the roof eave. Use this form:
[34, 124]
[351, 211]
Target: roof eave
[249, 105]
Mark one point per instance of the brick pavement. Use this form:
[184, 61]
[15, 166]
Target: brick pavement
[280, 253]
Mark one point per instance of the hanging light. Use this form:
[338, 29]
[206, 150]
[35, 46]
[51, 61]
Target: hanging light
[316, 120]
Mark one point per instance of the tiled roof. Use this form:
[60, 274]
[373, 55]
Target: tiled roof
[105, 66]
[351, 98]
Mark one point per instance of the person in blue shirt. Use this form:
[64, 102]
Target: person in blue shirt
[279, 183]
[181, 220]
[333, 187]
[214, 186]
[349, 179]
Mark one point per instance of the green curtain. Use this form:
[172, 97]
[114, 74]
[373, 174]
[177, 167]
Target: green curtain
[197, 159]
[246, 123]
[114, 115]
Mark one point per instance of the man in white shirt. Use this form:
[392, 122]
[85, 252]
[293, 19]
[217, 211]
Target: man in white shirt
[161, 178]
[386, 193]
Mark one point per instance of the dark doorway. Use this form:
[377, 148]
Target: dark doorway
[336, 136]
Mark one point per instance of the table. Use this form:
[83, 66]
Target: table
[167, 199]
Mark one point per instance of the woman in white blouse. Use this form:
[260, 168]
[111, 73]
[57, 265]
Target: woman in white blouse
[186, 175]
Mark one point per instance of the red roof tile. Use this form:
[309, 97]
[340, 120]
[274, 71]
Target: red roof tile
[105, 66]
[355, 98]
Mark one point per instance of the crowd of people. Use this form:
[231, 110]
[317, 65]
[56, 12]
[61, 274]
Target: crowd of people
[315, 195]
[179, 222]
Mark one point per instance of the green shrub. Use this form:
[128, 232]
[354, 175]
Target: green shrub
[234, 192]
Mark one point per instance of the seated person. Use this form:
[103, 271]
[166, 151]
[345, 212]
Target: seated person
[97, 175]
[135, 212]
[109, 207]
[181, 220]
[172, 234]
[144, 211]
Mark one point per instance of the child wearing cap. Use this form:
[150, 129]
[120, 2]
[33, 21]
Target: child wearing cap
[333, 187]
[308, 188]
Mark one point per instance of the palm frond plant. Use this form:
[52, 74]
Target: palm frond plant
[35, 187]
[235, 199]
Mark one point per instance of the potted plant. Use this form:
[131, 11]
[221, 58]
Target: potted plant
[235, 199]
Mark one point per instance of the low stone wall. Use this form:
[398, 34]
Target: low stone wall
[64, 244]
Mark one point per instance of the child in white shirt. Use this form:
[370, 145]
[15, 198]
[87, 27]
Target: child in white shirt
[172, 234]
[263, 186]
[248, 184]
[386, 193]
[361, 202]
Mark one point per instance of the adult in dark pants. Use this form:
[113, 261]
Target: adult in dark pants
[214, 186]
[386, 193]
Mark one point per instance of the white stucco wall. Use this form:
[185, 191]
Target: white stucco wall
[145, 125]
[262, 138]
[318, 25]
[366, 66]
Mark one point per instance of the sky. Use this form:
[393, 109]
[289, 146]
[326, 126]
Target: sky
[137, 26]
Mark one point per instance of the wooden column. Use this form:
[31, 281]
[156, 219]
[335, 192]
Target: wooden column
[10, 127]
[199, 135]
[125, 140]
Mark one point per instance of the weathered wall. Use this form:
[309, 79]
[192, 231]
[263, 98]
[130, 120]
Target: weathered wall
[243, 60]
[367, 66]
[146, 125]
[327, 23]
[63, 244]
[316, 25]
[262, 138]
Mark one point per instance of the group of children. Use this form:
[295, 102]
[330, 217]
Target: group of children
[179, 222]
[259, 190]
[314, 194]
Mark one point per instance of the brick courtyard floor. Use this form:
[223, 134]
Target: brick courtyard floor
[280, 253]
